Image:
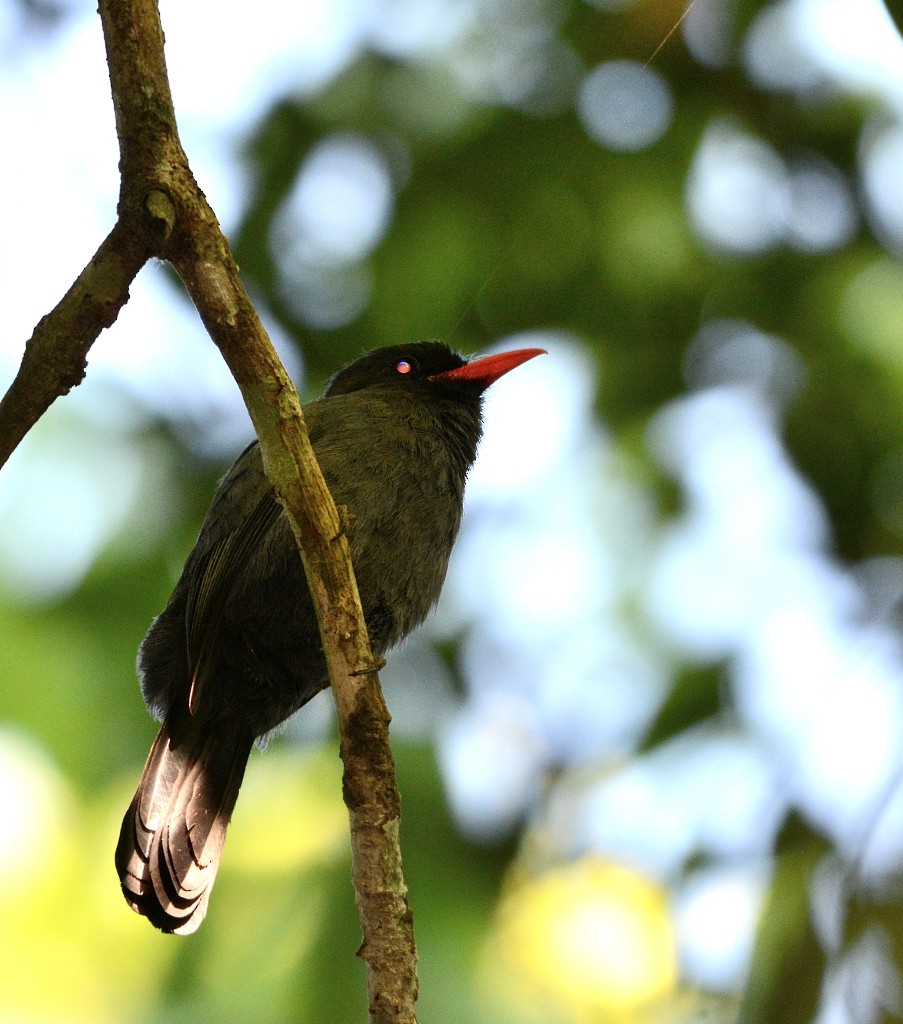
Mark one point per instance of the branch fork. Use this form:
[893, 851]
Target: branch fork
[162, 213]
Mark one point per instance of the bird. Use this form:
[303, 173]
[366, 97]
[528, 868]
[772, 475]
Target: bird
[237, 651]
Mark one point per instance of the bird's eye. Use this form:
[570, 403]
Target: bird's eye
[403, 366]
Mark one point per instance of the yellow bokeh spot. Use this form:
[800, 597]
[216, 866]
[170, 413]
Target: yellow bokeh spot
[593, 937]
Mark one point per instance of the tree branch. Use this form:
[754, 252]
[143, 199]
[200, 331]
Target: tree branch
[162, 212]
[55, 356]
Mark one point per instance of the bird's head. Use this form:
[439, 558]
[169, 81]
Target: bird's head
[430, 365]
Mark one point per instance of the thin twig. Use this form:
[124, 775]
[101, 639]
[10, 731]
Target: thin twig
[55, 355]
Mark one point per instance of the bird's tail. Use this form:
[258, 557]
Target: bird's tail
[173, 832]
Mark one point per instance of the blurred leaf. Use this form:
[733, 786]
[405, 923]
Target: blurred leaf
[788, 963]
[694, 697]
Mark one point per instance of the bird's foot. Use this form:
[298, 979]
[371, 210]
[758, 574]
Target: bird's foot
[346, 518]
[374, 666]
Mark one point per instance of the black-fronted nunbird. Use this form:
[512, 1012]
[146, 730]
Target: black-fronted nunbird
[237, 649]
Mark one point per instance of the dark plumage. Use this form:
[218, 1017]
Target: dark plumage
[237, 649]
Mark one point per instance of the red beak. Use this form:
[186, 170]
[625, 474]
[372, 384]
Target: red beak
[487, 370]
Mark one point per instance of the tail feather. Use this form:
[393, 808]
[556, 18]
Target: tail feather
[173, 832]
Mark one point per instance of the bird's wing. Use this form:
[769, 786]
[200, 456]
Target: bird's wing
[243, 511]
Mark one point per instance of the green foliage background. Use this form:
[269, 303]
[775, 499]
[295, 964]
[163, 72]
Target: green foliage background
[508, 219]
